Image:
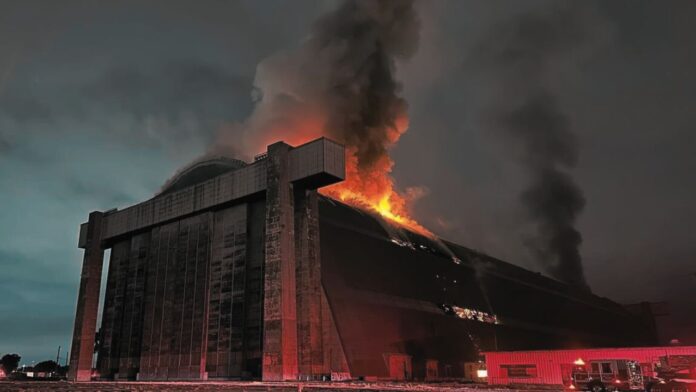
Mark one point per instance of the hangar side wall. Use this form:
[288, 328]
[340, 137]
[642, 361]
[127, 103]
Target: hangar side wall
[320, 353]
[386, 288]
[388, 320]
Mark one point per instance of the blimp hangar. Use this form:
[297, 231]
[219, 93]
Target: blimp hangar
[241, 270]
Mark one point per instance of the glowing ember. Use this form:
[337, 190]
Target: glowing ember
[470, 314]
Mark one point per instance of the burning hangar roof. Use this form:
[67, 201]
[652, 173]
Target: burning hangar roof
[374, 225]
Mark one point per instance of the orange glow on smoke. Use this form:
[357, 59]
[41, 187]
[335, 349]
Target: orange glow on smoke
[369, 188]
[293, 131]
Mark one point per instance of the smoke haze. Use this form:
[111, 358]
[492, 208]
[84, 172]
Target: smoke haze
[340, 83]
[518, 57]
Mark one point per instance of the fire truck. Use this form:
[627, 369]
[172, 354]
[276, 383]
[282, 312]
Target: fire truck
[674, 373]
[607, 375]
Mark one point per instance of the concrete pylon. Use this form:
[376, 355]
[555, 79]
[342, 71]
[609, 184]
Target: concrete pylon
[280, 311]
[310, 344]
[82, 349]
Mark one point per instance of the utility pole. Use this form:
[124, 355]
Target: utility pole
[58, 357]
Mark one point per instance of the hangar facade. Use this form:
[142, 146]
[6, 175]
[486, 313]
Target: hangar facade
[242, 270]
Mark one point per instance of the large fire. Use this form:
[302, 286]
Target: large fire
[369, 188]
[340, 82]
[373, 189]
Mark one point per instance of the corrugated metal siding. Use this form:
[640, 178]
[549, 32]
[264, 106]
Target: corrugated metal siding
[549, 362]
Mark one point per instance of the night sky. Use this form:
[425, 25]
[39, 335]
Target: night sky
[101, 102]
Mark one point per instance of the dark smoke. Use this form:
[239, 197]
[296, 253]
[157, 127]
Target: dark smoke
[362, 40]
[553, 199]
[339, 83]
[518, 60]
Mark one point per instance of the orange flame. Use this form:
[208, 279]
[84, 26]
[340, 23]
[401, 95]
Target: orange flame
[373, 190]
[370, 188]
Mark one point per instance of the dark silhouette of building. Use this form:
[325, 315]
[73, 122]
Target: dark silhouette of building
[240, 270]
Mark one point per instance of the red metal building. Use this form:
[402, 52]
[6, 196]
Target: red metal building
[553, 366]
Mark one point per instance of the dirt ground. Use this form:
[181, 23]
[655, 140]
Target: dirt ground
[52, 386]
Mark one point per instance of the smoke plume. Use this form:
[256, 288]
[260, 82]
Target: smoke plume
[340, 83]
[518, 60]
